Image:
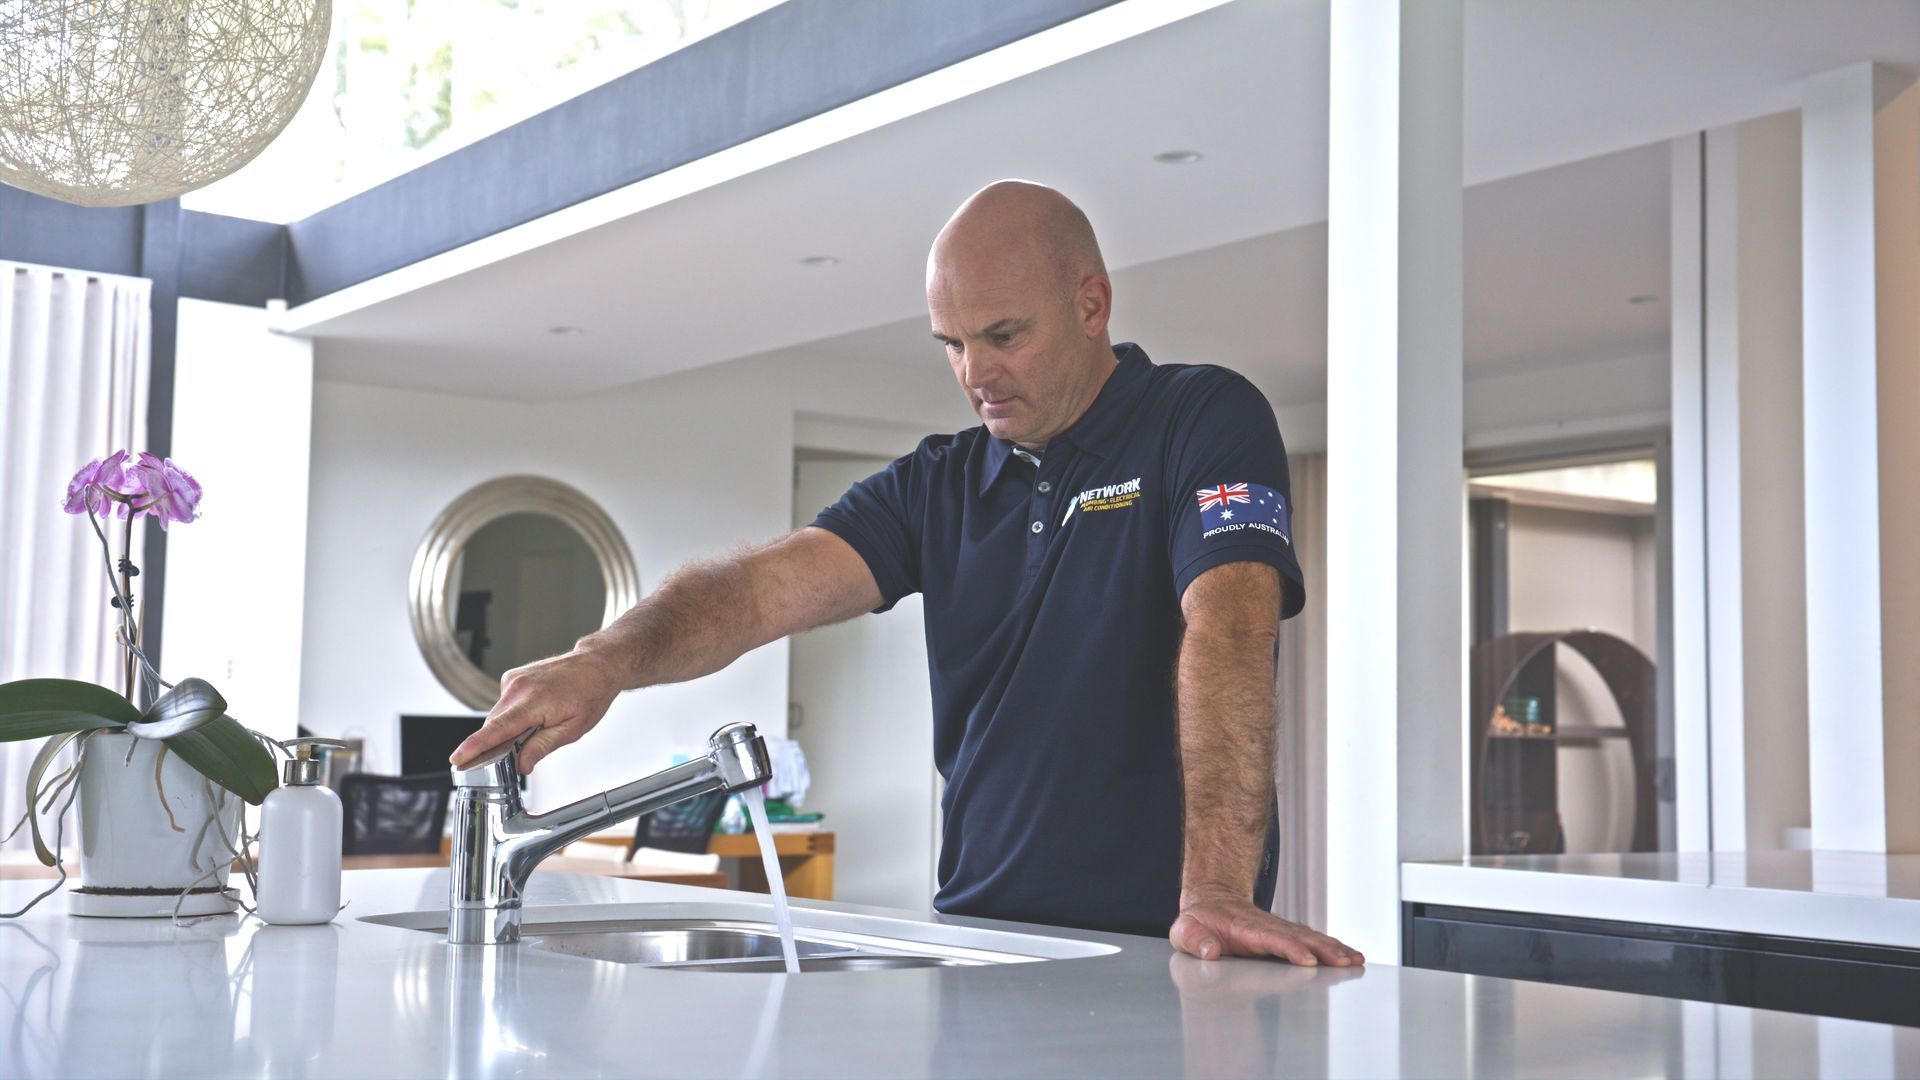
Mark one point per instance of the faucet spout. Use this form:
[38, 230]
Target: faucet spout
[497, 844]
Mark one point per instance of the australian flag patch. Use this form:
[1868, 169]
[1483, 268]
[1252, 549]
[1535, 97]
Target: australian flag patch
[1232, 508]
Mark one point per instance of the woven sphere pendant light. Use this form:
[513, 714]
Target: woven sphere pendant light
[118, 102]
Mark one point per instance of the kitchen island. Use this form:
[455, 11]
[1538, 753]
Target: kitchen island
[231, 997]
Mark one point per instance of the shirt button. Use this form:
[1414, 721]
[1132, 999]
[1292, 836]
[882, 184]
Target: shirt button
[1037, 526]
[1046, 486]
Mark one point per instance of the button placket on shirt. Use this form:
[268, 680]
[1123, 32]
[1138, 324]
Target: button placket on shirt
[1043, 511]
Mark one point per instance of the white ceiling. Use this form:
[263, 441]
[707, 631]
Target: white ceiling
[1568, 106]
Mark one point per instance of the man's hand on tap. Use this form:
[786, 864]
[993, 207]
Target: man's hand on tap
[558, 699]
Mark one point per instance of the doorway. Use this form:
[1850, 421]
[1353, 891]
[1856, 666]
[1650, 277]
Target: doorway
[861, 708]
[1568, 736]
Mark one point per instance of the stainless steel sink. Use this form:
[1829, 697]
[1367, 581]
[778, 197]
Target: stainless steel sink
[850, 962]
[738, 938]
[661, 943]
[743, 946]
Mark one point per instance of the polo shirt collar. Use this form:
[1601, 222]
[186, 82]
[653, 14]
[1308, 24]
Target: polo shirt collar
[1099, 429]
[999, 452]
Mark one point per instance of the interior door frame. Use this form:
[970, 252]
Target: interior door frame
[1601, 448]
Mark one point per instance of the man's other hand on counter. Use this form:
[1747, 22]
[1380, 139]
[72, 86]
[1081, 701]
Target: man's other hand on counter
[1213, 928]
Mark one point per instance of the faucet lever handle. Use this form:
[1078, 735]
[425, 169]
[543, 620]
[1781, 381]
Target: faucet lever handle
[499, 769]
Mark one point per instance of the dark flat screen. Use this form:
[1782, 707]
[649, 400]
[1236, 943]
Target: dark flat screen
[425, 741]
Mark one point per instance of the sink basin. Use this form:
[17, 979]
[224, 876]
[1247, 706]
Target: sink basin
[850, 962]
[660, 943]
[745, 946]
[739, 938]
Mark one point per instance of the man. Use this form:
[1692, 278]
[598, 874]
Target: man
[1104, 563]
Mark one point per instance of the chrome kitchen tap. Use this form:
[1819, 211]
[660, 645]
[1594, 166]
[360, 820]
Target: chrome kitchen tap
[496, 843]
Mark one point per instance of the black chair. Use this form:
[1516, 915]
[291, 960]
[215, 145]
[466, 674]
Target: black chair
[393, 815]
[684, 826]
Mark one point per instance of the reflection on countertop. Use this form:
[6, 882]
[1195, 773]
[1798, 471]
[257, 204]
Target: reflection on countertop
[225, 997]
[1834, 873]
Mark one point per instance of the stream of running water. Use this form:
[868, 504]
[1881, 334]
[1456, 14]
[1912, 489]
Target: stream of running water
[756, 800]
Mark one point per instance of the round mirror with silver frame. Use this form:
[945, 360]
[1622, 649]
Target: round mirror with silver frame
[514, 570]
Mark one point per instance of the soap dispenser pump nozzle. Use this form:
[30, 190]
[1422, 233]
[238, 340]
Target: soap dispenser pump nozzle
[303, 768]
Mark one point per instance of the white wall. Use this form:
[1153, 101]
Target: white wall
[1551, 399]
[1897, 283]
[1771, 563]
[236, 580]
[687, 466]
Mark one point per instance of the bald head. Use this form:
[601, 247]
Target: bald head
[1021, 231]
[1019, 296]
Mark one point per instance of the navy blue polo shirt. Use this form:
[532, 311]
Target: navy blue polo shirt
[1052, 587]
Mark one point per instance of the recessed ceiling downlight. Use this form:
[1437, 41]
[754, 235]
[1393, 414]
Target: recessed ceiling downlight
[1178, 157]
[565, 331]
[820, 260]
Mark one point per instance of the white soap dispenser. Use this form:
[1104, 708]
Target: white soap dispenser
[300, 843]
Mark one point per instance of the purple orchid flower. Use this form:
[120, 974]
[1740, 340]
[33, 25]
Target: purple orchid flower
[172, 494]
[100, 478]
[150, 485]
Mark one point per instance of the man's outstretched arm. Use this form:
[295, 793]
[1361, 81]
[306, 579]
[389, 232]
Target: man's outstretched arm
[1224, 694]
[702, 618]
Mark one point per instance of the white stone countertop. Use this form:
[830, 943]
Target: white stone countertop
[1846, 896]
[231, 997]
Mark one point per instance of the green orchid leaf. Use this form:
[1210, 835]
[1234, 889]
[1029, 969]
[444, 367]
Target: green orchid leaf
[226, 753]
[191, 705]
[48, 751]
[36, 708]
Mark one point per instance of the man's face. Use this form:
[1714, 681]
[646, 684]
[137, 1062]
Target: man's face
[1015, 349]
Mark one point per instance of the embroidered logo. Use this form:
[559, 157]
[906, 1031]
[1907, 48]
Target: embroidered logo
[1107, 497]
[1231, 508]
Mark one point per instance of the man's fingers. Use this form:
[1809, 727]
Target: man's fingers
[1277, 937]
[1339, 953]
[1295, 950]
[1192, 937]
[1332, 950]
[500, 729]
[1210, 931]
[543, 742]
[477, 745]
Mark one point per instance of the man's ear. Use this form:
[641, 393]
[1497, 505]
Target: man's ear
[1093, 304]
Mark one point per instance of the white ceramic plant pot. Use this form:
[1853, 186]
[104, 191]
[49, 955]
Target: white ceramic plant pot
[133, 862]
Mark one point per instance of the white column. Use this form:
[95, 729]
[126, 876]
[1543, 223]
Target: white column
[1688, 498]
[1395, 509]
[1738, 587]
[1861, 274]
[1771, 645]
[1721, 442]
[236, 578]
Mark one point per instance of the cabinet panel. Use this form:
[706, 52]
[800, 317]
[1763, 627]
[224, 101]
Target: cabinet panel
[1789, 974]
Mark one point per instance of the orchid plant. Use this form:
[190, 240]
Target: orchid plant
[189, 717]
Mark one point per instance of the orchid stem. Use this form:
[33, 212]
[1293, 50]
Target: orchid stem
[126, 592]
[120, 594]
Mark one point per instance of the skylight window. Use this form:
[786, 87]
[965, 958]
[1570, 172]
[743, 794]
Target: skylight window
[406, 81]
[1621, 484]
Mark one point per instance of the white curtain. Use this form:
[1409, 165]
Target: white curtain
[1301, 769]
[74, 351]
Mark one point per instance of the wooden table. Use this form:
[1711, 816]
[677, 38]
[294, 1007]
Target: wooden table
[604, 867]
[806, 864]
[806, 860]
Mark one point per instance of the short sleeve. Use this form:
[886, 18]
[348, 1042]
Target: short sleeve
[876, 518]
[1227, 472]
